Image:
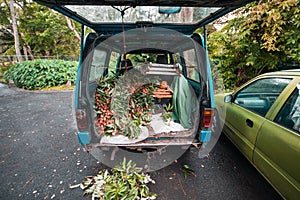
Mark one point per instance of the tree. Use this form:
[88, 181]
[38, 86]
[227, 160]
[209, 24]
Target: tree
[6, 34]
[72, 28]
[15, 31]
[259, 39]
[41, 31]
[46, 32]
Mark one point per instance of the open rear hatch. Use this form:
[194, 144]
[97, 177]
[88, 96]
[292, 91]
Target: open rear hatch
[164, 14]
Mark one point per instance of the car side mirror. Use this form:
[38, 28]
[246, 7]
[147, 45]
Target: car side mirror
[228, 98]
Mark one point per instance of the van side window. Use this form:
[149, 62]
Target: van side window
[191, 65]
[113, 62]
[98, 64]
[289, 115]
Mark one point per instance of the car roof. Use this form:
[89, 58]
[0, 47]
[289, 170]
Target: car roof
[214, 9]
[291, 72]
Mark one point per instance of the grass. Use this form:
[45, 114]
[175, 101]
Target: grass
[59, 88]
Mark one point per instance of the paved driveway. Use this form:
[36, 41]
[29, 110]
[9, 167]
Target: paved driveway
[40, 157]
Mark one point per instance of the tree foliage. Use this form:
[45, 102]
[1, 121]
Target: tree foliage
[6, 33]
[47, 33]
[261, 37]
[42, 31]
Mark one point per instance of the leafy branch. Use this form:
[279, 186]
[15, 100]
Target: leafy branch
[123, 104]
[125, 181]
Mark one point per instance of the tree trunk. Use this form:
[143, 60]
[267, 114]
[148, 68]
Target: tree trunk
[30, 52]
[187, 14]
[15, 30]
[72, 28]
[25, 52]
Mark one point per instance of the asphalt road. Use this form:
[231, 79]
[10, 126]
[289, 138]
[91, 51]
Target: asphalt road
[40, 157]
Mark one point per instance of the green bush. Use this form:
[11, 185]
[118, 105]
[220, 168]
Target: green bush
[38, 74]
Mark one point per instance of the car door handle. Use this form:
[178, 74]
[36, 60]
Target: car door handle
[249, 123]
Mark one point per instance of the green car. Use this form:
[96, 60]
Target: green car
[262, 119]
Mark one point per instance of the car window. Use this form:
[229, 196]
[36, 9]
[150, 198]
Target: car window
[113, 62]
[260, 95]
[191, 64]
[141, 58]
[289, 115]
[107, 14]
[98, 64]
[177, 58]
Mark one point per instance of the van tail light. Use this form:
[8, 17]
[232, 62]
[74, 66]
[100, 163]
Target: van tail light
[81, 119]
[207, 119]
[206, 124]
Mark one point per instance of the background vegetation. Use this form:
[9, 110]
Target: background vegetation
[39, 74]
[41, 31]
[263, 36]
